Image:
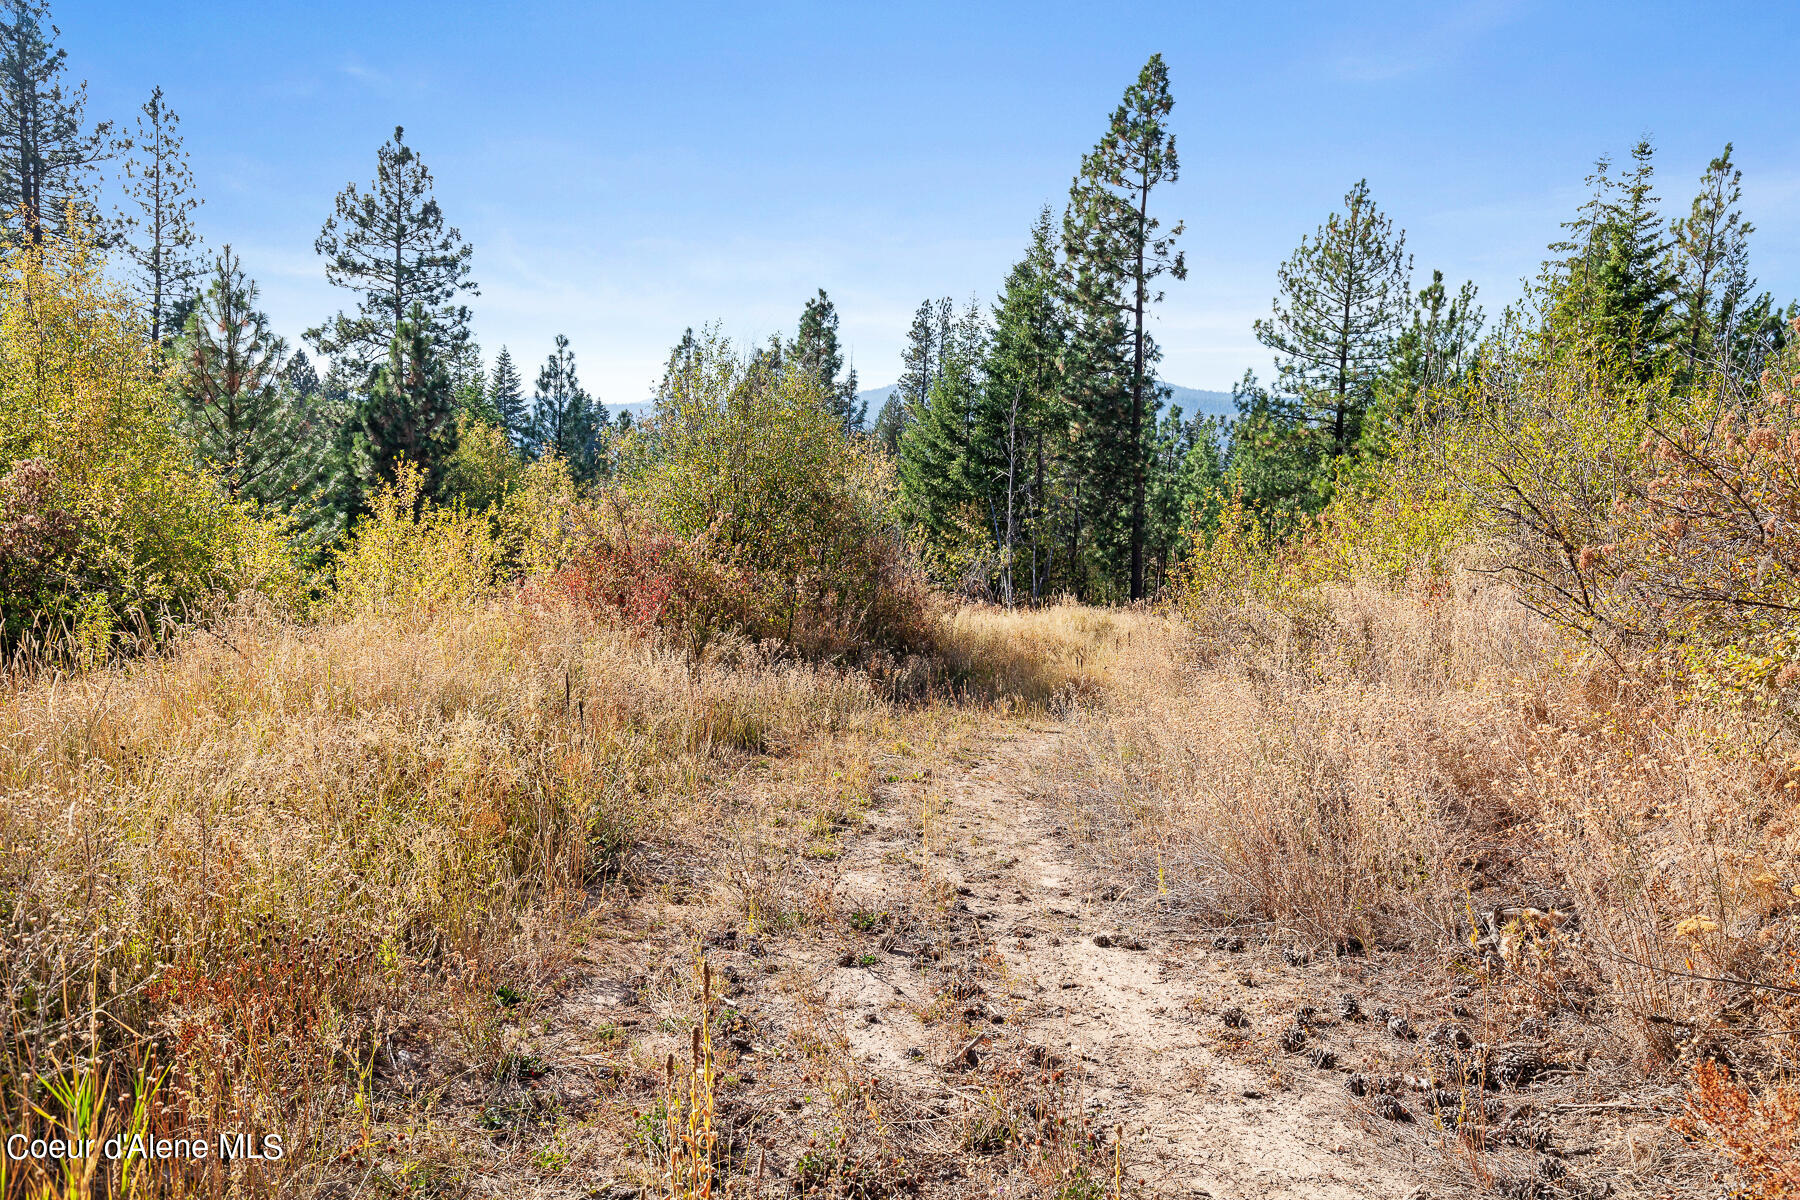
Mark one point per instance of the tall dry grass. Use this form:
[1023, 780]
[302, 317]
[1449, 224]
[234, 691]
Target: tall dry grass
[233, 873]
[1389, 766]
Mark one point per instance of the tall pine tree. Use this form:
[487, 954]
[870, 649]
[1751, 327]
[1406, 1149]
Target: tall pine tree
[409, 412]
[937, 482]
[1118, 253]
[231, 382]
[1719, 322]
[159, 231]
[1022, 412]
[48, 154]
[1344, 298]
[815, 350]
[1634, 289]
[565, 420]
[391, 246]
[506, 396]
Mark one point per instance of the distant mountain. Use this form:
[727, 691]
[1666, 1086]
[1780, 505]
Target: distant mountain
[1191, 400]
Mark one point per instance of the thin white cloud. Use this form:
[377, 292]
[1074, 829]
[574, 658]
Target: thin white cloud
[1390, 53]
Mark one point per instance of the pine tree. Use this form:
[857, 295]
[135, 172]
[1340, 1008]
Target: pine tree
[1712, 273]
[921, 361]
[1572, 277]
[937, 480]
[565, 420]
[1119, 254]
[1274, 453]
[409, 413]
[815, 350]
[1343, 300]
[1434, 353]
[392, 247]
[506, 396]
[231, 381]
[468, 382]
[301, 376]
[1022, 404]
[48, 157]
[1634, 279]
[159, 236]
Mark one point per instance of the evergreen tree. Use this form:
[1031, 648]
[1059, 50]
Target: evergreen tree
[1435, 352]
[1119, 254]
[231, 384]
[301, 376]
[392, 247]
[683, 361]
[1187, 471]
[1634, 280]
[1274, 453]
[890, 423]
[1572, 277]
[921, 360]
[1713, 284]
[468, 382]
[815, 350]
[935, 469]
[506, 396]
[48, 156]
[1343, 300]
[1022, 406]
[565, 420]
[409, 412]
[160, 236]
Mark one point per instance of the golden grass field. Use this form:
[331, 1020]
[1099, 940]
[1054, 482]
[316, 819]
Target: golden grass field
[236, 875]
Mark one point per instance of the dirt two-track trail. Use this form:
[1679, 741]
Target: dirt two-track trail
[1060, 967]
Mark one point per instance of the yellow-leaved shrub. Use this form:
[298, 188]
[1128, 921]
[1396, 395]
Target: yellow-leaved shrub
[135, 530]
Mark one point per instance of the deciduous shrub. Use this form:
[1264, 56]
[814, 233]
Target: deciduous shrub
[747, 468]
[113, 522]
[408, 553]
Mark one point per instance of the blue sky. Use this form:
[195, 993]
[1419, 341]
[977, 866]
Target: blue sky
[627, 170]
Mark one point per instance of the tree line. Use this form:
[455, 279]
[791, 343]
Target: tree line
[1034, 445]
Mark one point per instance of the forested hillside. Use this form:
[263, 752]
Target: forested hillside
[1032, 778]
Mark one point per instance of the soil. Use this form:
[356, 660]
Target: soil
[974, 1011]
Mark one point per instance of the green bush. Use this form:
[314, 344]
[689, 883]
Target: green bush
[109, 522]
[747, 465]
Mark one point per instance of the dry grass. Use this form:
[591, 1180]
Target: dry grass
[1412, 770]
[244, 882]
[250, 882]
[245, 866]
